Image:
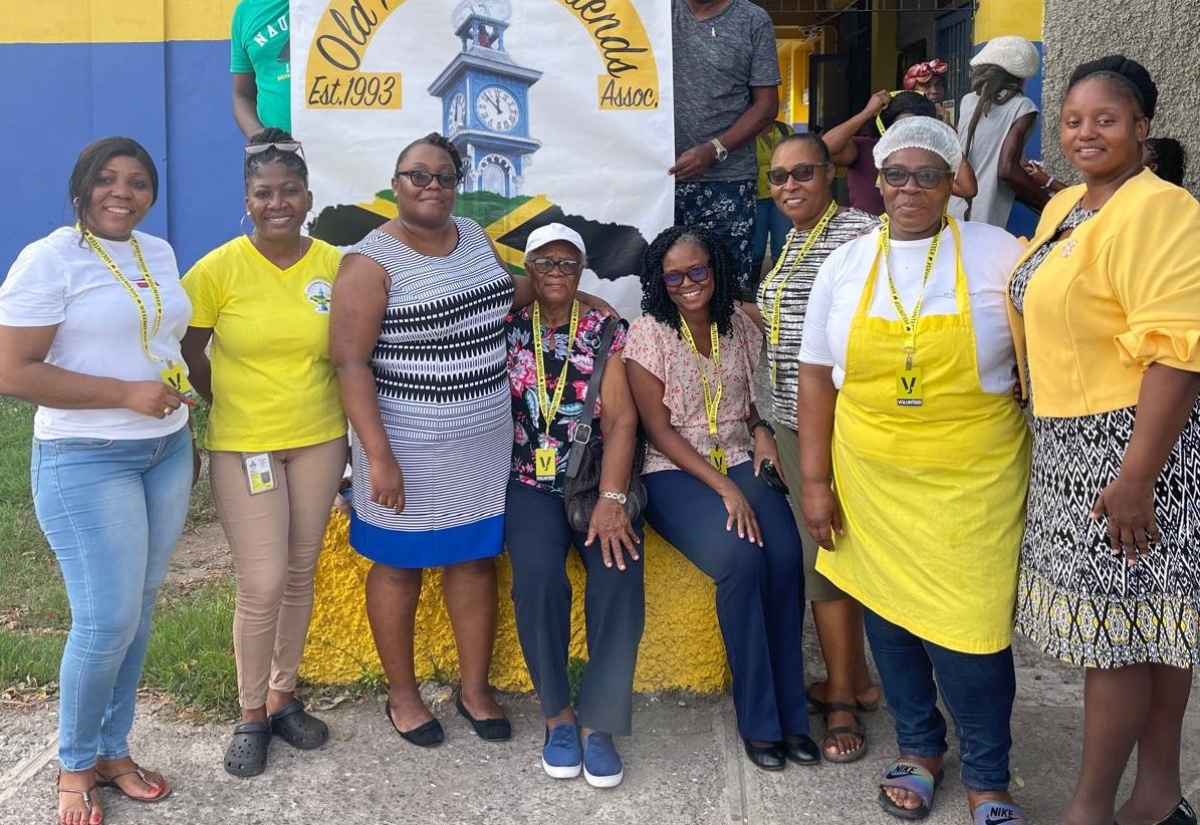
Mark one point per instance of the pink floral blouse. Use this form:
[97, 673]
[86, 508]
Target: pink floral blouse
[667, 356]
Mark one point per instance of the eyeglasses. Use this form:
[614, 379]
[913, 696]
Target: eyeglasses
[420, 178]
[698, 274]
[926, 178]
[544, 266]
[290, 146]
[801, 174]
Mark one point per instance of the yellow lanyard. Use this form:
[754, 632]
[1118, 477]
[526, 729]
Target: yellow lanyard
[711, 402]
[909, 322]
[814, 235]
[147, 333]
[550, 407]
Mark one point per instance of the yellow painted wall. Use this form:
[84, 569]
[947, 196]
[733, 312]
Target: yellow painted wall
[109, 21]
[681, 648]
[997, 17]
[883, 45]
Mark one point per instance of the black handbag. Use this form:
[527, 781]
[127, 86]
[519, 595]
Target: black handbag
[581, 487]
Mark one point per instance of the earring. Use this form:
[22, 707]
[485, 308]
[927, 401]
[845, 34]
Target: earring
[242, 225]
[76, 201]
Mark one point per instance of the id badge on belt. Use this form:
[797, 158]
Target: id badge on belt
[260, 472]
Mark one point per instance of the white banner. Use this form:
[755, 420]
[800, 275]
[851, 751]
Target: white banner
[562, 110]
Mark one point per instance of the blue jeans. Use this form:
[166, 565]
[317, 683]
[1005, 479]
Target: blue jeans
[758, 591]
[727, 208]
[978, 690]
[768, 221]
[112, 512]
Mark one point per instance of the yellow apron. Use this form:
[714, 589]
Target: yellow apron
[932, 496]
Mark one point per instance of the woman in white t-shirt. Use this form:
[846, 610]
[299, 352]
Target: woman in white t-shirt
[914, 459]
[91, 317]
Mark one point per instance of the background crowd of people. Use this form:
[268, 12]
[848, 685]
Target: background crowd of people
[966, 434]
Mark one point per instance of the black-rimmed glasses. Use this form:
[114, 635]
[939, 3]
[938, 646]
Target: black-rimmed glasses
[801, 173]
[420, 178]
[698, 275]
[926, 178]
[544, 266]
[291, 146]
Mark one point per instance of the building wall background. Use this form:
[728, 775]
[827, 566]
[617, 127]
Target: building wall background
[154, 70]
[1160, 34]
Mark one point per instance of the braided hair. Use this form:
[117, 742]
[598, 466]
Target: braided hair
[1129, 76]
[1169, 159]
[434, 139]
[291, 160]
[656, 301]
[995, 87]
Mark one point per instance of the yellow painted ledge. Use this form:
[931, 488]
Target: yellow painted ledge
[681, 648]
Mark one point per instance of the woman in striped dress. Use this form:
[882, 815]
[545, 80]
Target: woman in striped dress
[417, 337]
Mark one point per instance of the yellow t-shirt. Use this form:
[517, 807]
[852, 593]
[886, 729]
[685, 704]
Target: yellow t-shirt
[273, 385]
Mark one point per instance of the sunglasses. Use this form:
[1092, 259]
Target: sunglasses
[420, 178]
[698, 274]
[801, 174]
[898, 176]
[290, 146]
[544, 266]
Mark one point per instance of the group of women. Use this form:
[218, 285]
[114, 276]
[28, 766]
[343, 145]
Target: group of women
[901, 350]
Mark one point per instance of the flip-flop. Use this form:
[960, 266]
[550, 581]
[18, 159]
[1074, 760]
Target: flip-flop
[817, 706]
[86, 796]
[995, 812]
[911, 777]
[856, 729]
[151, 778]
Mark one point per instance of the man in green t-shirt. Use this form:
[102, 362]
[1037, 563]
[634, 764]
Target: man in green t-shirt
[260, 60]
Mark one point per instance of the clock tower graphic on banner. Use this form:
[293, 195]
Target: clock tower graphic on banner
[485, 101]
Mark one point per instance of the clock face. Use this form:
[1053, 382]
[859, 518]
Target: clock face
[497, 109]
[457, 113]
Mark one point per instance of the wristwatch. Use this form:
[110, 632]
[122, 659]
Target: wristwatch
[722, 152]
[619, 498]
[762, 422]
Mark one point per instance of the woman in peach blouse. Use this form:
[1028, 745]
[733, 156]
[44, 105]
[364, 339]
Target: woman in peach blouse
[691, 361]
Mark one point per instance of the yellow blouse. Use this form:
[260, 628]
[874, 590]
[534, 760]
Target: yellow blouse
[1121, 293]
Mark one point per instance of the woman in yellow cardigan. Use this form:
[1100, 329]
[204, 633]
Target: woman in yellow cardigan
[1106, 316]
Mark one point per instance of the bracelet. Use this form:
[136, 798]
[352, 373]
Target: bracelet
[1049, 183]
[762, 422]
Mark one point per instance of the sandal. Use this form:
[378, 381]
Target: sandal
[997, 812]
[152, 779]
[816, 705]
[296, 727]
[855, 730]
[247, 751]
[911, 777]
[87, 800]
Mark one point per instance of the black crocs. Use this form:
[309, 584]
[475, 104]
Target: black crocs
[247, 751]
[298, 728]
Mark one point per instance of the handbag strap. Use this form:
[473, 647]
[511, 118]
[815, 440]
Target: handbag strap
[591, 396]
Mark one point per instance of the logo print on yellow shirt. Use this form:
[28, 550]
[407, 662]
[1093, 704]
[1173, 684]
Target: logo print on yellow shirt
[318, 294]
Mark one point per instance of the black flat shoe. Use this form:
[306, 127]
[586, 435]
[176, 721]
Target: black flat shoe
[770, 758]
[1182, 815]
[429, 735]
[803, 751]
[494, 730]
[300, 729]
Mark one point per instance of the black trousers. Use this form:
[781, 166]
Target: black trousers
[614, 604]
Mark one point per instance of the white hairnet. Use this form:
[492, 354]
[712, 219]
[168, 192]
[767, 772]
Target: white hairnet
[919, 132]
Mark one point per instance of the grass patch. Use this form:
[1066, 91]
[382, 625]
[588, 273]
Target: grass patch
[191, 649]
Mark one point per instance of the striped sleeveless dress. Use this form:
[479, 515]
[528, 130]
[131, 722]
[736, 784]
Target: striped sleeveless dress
[443, 390]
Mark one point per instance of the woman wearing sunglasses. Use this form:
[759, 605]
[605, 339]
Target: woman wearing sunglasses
[276, 435]
[552, 349]
[914, 458]
[801, 176]
[418, 343]
[691, 360]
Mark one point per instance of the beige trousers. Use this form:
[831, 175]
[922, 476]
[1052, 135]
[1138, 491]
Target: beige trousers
[275, 537]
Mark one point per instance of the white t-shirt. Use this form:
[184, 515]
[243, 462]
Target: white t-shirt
[989, 255]
[59, 280]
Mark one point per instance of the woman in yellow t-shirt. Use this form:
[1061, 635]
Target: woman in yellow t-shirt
[276, 435]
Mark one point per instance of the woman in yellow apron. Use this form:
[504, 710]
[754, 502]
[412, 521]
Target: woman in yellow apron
[906, 399]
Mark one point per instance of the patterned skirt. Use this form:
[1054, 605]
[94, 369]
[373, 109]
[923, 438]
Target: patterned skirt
[1075, 599]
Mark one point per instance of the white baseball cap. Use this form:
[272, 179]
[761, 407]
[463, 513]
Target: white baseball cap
[550, 233]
